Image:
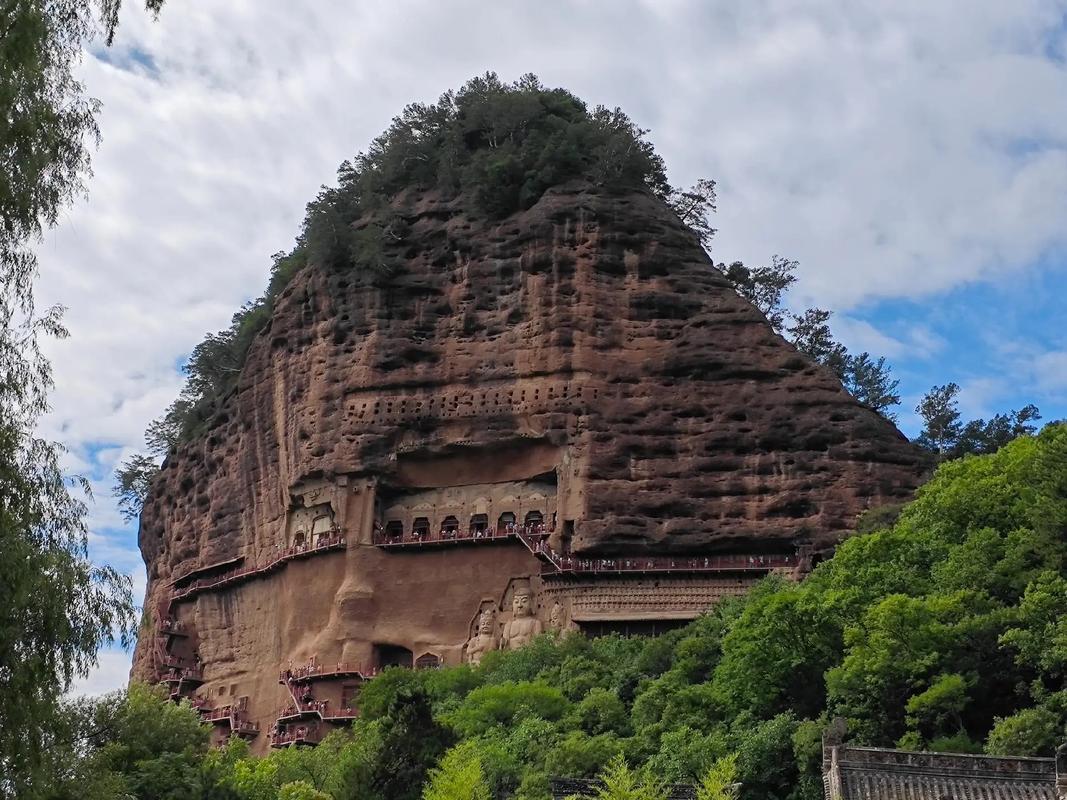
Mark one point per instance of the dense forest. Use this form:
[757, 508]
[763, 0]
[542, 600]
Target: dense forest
[942, 625]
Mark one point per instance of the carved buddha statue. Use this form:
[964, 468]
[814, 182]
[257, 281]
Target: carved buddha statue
[523, 625]
[483, 640]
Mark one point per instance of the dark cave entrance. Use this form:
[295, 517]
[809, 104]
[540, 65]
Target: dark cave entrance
[393, 655]
[630, 627]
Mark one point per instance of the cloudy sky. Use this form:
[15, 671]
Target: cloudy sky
[912, 156]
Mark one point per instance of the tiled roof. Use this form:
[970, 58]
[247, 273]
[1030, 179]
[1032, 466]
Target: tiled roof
[869, 773]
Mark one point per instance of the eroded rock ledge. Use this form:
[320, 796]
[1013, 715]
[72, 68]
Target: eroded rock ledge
[580, 366]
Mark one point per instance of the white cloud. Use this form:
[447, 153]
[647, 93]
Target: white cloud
[111, 672]
[859, 335]
[1050, 371]
[894, 149]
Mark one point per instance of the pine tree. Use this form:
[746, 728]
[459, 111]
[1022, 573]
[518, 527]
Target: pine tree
[940, 413]
[870, 383]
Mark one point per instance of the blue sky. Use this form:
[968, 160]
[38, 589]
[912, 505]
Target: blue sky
[911, 156]
[1001, 341]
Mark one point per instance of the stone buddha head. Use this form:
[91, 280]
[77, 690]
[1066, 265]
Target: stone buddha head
[522, 602]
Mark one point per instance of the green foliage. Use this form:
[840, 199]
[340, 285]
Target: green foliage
[601, 711]
[133, 479]
[766, 765]
[811, 334]
[764, 287]
[941, 628]
[940, 414]
[138, 744]
[720, 781]
[775, 655]
[869, 382]
[620, 782]
[459, 776]
[1028, 732]
[694, 207]
[505, 704]
[1039, 639]
[411, 742]
[301, 790]
[947, 435]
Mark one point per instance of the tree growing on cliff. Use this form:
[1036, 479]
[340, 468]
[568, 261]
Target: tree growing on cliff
[869, 382]
[865, 378]
[764, 287]
[810, 332]
[694, 207]
[133, 479]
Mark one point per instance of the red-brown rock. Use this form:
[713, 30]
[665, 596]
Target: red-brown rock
[582, 360]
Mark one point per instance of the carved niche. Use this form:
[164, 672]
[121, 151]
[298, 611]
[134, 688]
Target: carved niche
[483, 636]
[524, 624]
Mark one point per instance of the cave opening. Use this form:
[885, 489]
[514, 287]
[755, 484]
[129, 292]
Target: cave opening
[393, 655]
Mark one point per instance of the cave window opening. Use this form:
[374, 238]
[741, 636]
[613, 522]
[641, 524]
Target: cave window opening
[420, 527]
[506, 521]
[428, 661]
[394, 530]
[321, 528]
[299, 538]
[535, 520]
[449, 527]
[479, 525]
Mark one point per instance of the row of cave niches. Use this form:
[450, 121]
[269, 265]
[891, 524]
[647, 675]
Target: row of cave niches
[554, 397]
[450, 525]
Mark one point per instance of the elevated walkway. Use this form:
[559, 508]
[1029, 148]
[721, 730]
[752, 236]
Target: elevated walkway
[304, 706]
[334, 540]
[321, 672]
[182, 674]
[305, 733]
[535, 539]
[231, 717]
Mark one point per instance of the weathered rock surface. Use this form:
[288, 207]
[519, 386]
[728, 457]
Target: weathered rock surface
[585, 348]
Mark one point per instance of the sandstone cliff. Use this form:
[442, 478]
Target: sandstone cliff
[581, 360]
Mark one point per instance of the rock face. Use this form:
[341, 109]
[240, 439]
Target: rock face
[578, 374]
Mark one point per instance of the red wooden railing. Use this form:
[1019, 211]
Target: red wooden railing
[317, 708]
[184, 674]
[335, 540]
[651, 564]
[315, 671]
[297, 734]
[303, 704]
[382, 538]
[534, 537]
[233, 716]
